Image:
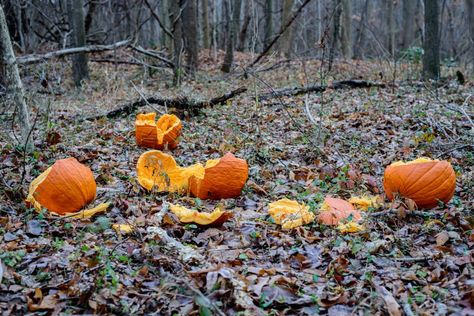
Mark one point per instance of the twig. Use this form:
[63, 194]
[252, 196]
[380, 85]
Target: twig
[35, 58]
[144, 98]
[153, 54]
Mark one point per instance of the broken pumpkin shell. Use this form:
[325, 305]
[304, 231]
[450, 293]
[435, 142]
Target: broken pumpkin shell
[158, 170]
[290, 214]
[334, 210]
[157, 135]
[222, 178]
[185, 215]
[65, 187]
[423, 180]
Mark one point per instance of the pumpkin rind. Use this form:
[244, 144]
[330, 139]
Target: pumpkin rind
[334, 210]
[65, 187]
[424, 181]
[290, 214]
[156, 135]
[223, 178]
[185, 215]
[156, 169]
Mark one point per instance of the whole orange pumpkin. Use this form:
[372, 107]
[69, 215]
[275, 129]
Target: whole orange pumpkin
[65, 187]
[423, 180]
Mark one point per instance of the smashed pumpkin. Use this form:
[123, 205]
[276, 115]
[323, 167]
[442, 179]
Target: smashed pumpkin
[334, 210]
[222, 178]
[366, 202]
[65, 187]
[157, 135]
[185, 215]
[290, 214]
[156, 169]
[423, 180]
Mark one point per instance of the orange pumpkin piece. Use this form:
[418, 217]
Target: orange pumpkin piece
[151, 134]
[290, 214]
[423, 180]
[222, 178]
[335, 210]
[65, 187]
[158, 170]
[185, 215]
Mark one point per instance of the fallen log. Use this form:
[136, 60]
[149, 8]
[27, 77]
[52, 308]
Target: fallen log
[36, 58]
[181, 104]
[337, 85]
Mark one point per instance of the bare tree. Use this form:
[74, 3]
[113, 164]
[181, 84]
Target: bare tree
[12, 79]
[408, 34]
[361, 35]
[268, 21]
[469, 4]
[233, 13]
[205, 24]
[391, 27]
[346, 29]
[175, 17]
[80, 70]
[286, 37]
[190, 36]
[245, 25]
[431, 40]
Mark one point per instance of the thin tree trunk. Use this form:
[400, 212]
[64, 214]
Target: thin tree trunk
[361, 36]
[245, 26]
[80, 70]
[408, 34]
[285, 43]
[469, 5]
[268, 21]
[391, 27]
[232, 25]
[346, 29]
[205, 22]
[12, 79]
[190, 36]
[431, 41]
[335, 32]
[177, 40]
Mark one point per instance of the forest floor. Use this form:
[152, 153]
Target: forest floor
[400, 263]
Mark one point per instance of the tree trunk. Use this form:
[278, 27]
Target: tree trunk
[285, 41]
[268, 21]
[361, 36]
[335, 32]
[245, 26]
[346, 29]
[469, 4]
[13, 83]
[232, 26]
[205, 22]
[80, 70]
[408, 34]
[391, 28]
[431, 41]
[190, 36]
[177, 40]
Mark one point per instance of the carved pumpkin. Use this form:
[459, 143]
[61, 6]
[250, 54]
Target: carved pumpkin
[65, 187]
[334, 210]
[222, 178]
[290, 214]
[156, 169]
[151, 134]
[185, 215]
[423, 180]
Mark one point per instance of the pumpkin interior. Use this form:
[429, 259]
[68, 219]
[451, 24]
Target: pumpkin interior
[418, 160]
[152, 134]
[290, 214]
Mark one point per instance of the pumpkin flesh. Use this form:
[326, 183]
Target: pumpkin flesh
[333, 211]
[157, 135]
[290, 214]
[185, 215]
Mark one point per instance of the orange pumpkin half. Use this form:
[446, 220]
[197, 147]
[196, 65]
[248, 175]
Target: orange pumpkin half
[222, 178]
[423, 180]
[65, 187]
[334, 210]
[156, 135]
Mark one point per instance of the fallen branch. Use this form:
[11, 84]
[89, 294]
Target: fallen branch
[180, 103]
[153, 55]
[337, 85]
[35, 58]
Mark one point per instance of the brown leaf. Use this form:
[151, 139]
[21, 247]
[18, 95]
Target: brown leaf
[442, 238]
[393, 307]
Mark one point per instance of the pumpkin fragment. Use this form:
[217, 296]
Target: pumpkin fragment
[365, 202]
[423, 180]
[222, 178]
[350, 227]
[65, 187]
[160, 170]
[122, 228]
[157, 135]
[185, 215]
[334, 210]
[290, 214]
